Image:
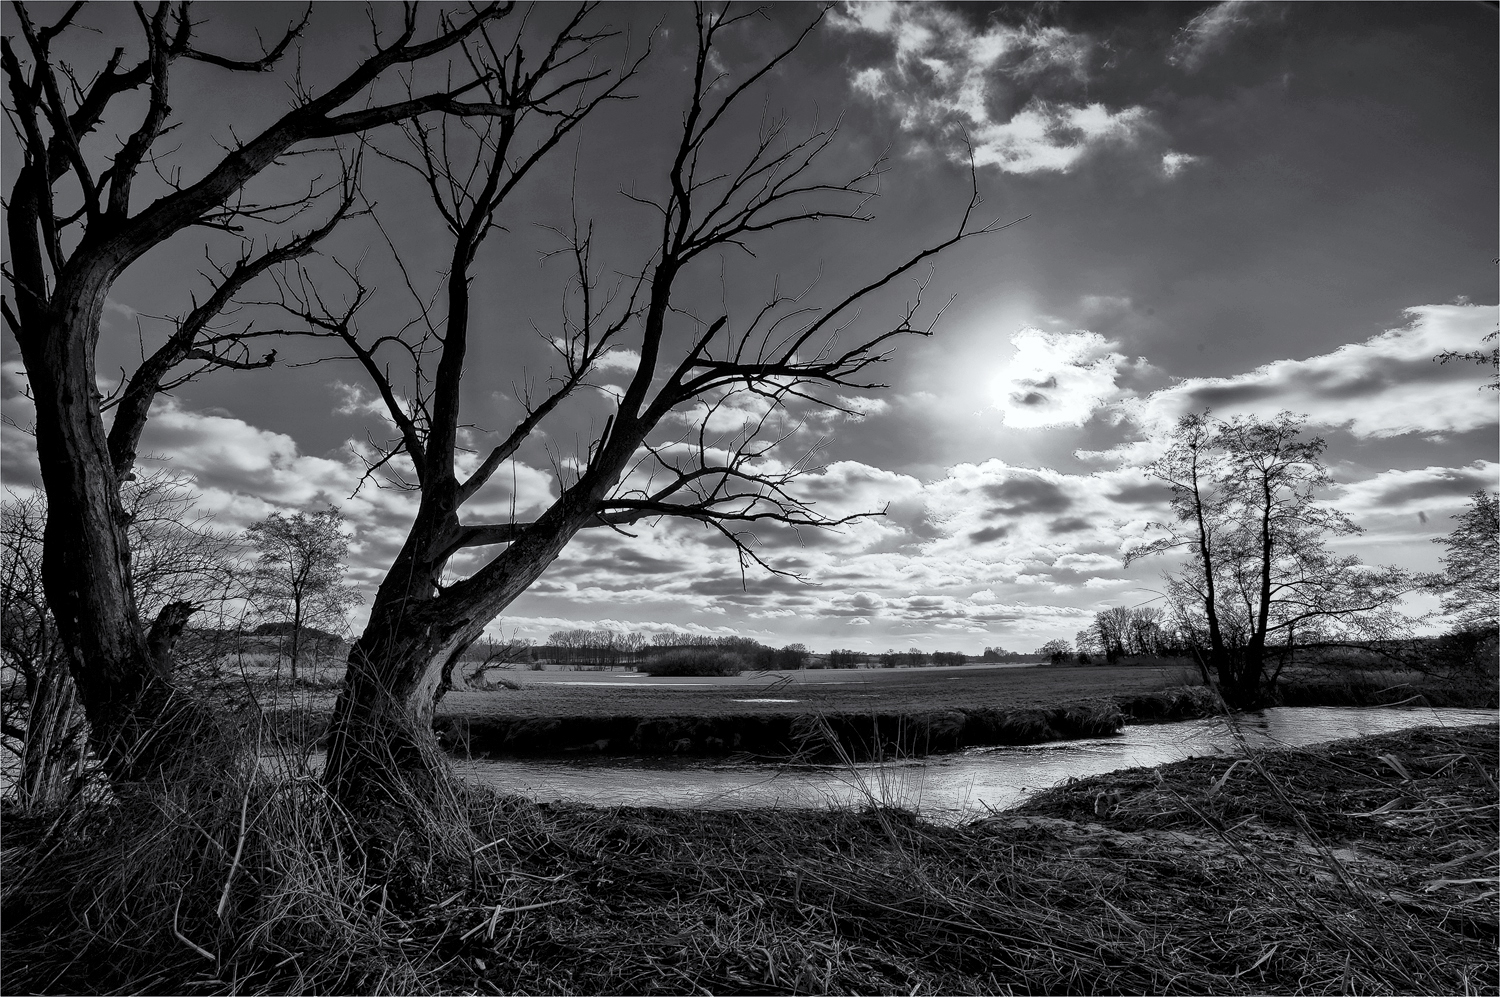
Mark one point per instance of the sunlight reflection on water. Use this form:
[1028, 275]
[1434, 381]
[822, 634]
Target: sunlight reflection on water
[949, 787]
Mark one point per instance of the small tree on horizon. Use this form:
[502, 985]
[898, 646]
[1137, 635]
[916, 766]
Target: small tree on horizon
[1259, 579]
[1057, 652]
[298, 577]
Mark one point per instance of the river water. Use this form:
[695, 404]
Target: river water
[945, 788]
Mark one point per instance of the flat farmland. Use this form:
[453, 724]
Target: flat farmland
[554, 694]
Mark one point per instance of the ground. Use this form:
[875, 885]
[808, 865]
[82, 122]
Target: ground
[1362, 866]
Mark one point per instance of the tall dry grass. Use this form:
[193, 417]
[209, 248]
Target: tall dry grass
[1361, 868]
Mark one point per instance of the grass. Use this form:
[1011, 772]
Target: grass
[915, 690]
[1364, 866]
[871, 712]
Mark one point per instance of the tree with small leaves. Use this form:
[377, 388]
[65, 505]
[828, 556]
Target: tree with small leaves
[298, 577]
[1470, 582]
[1259, 579]
[1057, 652]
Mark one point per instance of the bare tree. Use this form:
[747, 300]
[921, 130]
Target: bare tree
[1260, 580]
[713, 203]
[298, 578]
[74, 226]
[179, 560]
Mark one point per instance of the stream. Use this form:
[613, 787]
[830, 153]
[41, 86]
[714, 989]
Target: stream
[944, 788]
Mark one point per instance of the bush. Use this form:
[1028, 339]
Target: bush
[694, 661]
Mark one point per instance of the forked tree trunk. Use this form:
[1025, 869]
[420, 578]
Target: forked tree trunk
[381, 748]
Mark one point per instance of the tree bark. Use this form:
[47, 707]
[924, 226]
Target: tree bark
[381, 749]
[139, 723]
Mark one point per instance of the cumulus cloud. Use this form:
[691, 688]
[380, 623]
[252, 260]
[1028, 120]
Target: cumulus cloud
[1012, 89]
[1056, 379]
[1386, 386]
[1173, 163]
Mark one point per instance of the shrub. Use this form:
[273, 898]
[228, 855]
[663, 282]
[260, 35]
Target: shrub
[694, 661]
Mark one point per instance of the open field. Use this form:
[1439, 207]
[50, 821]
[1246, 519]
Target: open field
[867, 713]
[1365, 866]
[569, 693]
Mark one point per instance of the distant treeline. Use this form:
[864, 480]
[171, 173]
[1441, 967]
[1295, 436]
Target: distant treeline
[604, 648]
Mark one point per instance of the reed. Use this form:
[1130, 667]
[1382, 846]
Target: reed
[1364, 866]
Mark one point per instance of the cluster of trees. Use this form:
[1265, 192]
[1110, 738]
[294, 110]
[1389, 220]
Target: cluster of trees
[605, 648]
[1001, 654]
[597, 648]
[518, 88]
[1260, 580]
[914, 656]
[755, 655]
[1119, 631]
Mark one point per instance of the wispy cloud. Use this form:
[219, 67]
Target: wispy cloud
[1210, 31]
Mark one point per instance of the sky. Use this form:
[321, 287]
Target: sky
[1249, 207]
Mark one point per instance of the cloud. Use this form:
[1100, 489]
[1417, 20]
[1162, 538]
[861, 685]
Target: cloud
[1173, 163]
[1056, 379]
[1049, 137]
[1209, 32]
[619, 358]
[1013, 90]
[1026, 494]
[1386, 386]
[1419, 490]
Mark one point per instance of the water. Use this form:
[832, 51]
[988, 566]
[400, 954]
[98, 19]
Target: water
[948, 787]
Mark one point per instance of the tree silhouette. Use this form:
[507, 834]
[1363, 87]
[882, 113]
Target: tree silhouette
[1259, 578]
[298, 578]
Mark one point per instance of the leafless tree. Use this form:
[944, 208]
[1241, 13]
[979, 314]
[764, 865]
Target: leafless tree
[712, 203]
[180, 559]
[75, 222]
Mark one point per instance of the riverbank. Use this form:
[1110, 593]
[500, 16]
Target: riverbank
[830, 715]
[1365, 865]
[852, 715]
[877, 715]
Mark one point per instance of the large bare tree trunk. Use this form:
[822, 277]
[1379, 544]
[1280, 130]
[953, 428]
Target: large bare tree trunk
[139, 723]
[381, 748]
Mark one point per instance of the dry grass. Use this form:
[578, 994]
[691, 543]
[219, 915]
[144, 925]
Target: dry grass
[1366, 866]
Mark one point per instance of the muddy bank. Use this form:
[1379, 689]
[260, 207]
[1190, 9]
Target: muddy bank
[814, 736]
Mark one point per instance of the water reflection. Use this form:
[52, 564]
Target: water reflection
[949, 787]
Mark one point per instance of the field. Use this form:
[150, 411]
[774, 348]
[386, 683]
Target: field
[915, 690]
[853, 713]
[869, 712]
